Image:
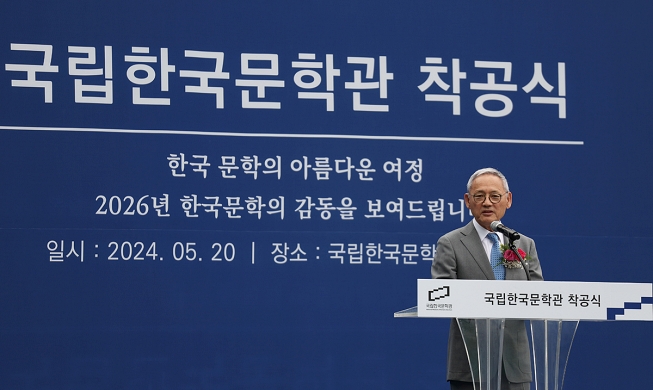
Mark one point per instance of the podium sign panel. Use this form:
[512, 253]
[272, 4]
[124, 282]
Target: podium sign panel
[456, 298]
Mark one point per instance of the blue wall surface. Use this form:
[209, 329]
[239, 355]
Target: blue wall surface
[239, 195]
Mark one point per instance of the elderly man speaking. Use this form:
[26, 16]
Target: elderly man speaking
[474, 252]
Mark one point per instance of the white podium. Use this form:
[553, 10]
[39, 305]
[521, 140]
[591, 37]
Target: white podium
[553, 308]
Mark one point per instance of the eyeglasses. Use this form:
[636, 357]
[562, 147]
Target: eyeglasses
[494, 198]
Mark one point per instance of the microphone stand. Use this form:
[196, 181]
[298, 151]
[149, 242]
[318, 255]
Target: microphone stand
[511, 245]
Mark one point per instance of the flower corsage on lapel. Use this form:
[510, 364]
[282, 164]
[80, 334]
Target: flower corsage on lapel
[510, 259]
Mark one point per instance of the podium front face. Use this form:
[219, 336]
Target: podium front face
[550, 342]
[554, 309]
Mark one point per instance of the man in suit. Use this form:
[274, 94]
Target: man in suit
[465, 254]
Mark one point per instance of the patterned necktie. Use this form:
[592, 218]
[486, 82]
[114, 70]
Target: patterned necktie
[495, 258]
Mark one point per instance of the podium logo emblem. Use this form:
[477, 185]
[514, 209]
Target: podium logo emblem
[438, 293]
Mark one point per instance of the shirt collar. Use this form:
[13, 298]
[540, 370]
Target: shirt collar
[483, 232]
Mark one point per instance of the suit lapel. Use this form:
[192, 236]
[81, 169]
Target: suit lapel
[472, 242]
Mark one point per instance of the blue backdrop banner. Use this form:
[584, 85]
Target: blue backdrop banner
[239, 195]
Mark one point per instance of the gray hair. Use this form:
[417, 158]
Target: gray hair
[488, 171]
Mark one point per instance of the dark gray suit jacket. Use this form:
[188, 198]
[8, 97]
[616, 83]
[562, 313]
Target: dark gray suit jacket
[460, 255]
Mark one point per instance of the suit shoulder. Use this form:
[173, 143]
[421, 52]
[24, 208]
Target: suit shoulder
[456, 233]
[525, 239]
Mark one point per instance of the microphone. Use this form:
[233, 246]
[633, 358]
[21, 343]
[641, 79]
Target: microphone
[511, 234]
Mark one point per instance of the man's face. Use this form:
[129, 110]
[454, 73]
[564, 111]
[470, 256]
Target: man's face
[485, 212]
